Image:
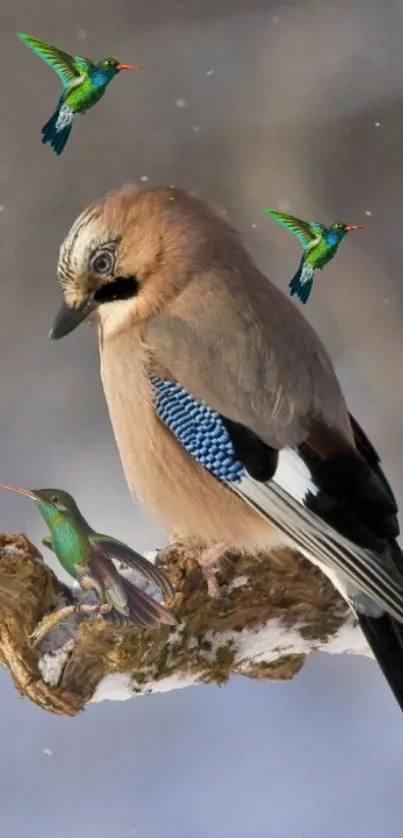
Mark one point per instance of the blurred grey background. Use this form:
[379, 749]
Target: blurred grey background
[296, 105]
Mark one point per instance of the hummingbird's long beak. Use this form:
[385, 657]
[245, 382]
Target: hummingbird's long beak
[67, 319]
[26, 492]
[131, 67]
[351, 227]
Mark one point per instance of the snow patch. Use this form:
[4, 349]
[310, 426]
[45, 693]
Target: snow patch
[348, 640]
[275, 640]
[171, 682]
[116, 687]
[269, 643]
[121, 686]
[51, 664]
[239, 582]
[10, 550]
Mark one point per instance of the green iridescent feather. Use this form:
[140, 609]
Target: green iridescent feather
[69, 68]
[305, 231]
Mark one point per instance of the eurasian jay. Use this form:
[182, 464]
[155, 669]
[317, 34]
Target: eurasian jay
[228, 415]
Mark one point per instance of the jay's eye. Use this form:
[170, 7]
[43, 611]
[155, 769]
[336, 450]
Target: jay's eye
[55, 499]
[103, 263]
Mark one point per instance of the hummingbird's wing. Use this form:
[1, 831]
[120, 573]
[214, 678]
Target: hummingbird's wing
[83, 64]
[115, 549]
[131, 603]
[317, 228]
[61, 62]
[304, 230]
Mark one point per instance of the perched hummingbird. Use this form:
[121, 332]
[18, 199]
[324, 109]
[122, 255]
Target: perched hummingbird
[87, 556]
[84, 85]
[320, 244]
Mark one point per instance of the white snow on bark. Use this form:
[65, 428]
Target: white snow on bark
[51, 664]
[122, 686]
[264, 645]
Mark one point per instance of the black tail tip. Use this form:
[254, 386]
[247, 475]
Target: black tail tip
[385, 637]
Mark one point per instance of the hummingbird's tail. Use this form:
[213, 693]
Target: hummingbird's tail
[57, 129]
[301, 283]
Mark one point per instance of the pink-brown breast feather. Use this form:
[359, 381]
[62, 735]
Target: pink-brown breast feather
[164, 478]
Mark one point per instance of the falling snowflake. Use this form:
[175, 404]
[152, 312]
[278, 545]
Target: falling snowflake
[2, 207]
[368, 212]
[82, 34]
[47, 751]
[254, 226]
[209, 72]
[180, 103]
[144, 178]
[196, 128]
[377, 124]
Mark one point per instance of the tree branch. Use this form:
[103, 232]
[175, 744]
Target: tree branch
[273, 611]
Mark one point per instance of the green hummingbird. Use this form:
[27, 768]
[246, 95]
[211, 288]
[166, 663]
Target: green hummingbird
[84, 84]
[88, 557]
[320, 244]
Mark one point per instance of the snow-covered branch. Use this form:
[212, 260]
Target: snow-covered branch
[273, 611]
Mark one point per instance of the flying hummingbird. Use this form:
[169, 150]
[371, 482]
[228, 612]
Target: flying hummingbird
[320, 244]
[84, 84]
[87, 556]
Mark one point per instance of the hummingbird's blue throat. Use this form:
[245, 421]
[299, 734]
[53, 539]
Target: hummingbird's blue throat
[101, 76]
[199, 429]
[333, 237]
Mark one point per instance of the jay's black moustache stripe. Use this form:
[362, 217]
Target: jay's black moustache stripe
[121, 288]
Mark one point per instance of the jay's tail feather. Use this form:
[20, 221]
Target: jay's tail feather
[385, 637]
